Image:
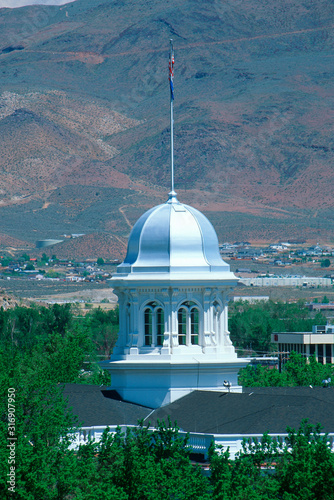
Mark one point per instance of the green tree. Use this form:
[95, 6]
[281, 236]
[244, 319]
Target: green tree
[103, 328]
[306, 468]
[302, 467]
[297, 371]
[43, 426]
[140, 464]
[45, 258]
[100, 261]
[243, 477]
[325, 263]
[251, 325]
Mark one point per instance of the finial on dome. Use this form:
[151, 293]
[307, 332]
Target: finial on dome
[172, 197]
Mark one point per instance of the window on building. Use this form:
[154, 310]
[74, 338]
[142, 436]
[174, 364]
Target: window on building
[160, 320]
[188, 324]
[328, 354]
[216, 309]
[154, 324]
[128, 316]
[182, 325]
[194, 318]
[148, 326]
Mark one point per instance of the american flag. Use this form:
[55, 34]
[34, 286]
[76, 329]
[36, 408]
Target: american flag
[171, 71]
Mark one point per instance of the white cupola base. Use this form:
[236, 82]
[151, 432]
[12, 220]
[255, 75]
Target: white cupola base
[157, 382]
[173, 290]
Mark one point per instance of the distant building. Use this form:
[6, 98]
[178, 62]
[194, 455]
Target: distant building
[319, 342]
[249, 253]
[287, 281]
[252, 299]
[314, 306]
[315, 251]
[74, 278]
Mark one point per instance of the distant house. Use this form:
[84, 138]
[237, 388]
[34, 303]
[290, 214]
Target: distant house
[279, 247]
[315, 251]
[249, 253]
[74, 277]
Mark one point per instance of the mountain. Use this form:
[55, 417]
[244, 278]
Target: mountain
[84, 116]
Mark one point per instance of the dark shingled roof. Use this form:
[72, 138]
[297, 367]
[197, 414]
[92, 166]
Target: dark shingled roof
[257, 410]
[96, 405]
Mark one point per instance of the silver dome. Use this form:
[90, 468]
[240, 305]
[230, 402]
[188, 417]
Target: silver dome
[173, 238]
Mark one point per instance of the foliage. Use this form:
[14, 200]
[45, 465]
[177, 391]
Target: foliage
[100, 261]
[52, 274]
[302, 467]
[26, 326]
[141, 464]
[103, 329]
[4, 261]
[43, 347]
[251, 325]
[325, 263]
[306, 468]
[297, 371]
[40, 347]
[54, 341]
[42, 427]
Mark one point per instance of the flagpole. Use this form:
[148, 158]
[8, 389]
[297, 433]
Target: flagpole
[172, 143]
[171, 75]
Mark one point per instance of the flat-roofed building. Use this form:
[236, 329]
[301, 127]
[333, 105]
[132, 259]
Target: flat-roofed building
[319, 342]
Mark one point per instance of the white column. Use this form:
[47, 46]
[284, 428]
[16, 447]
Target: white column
[174, 300]
[136, 341]
[167, 342]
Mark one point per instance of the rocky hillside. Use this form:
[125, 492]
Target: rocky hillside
[84, 116]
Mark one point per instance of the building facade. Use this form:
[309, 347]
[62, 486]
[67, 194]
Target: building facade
[319, 342]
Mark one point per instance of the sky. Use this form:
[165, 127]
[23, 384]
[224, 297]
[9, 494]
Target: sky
[22, 3]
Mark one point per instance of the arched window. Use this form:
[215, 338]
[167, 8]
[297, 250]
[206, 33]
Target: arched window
[160, 323]
[194, 318]
[148, 326]
[188, 323]
[216, 317]
[182, 325]
[154, 325]
[128, 316]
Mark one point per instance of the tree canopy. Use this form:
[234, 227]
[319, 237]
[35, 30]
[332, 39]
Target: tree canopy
[41, 348]
[297, 371]
[299, 467]
[251, 325]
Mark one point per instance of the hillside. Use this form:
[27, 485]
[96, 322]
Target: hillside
[84, 116]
